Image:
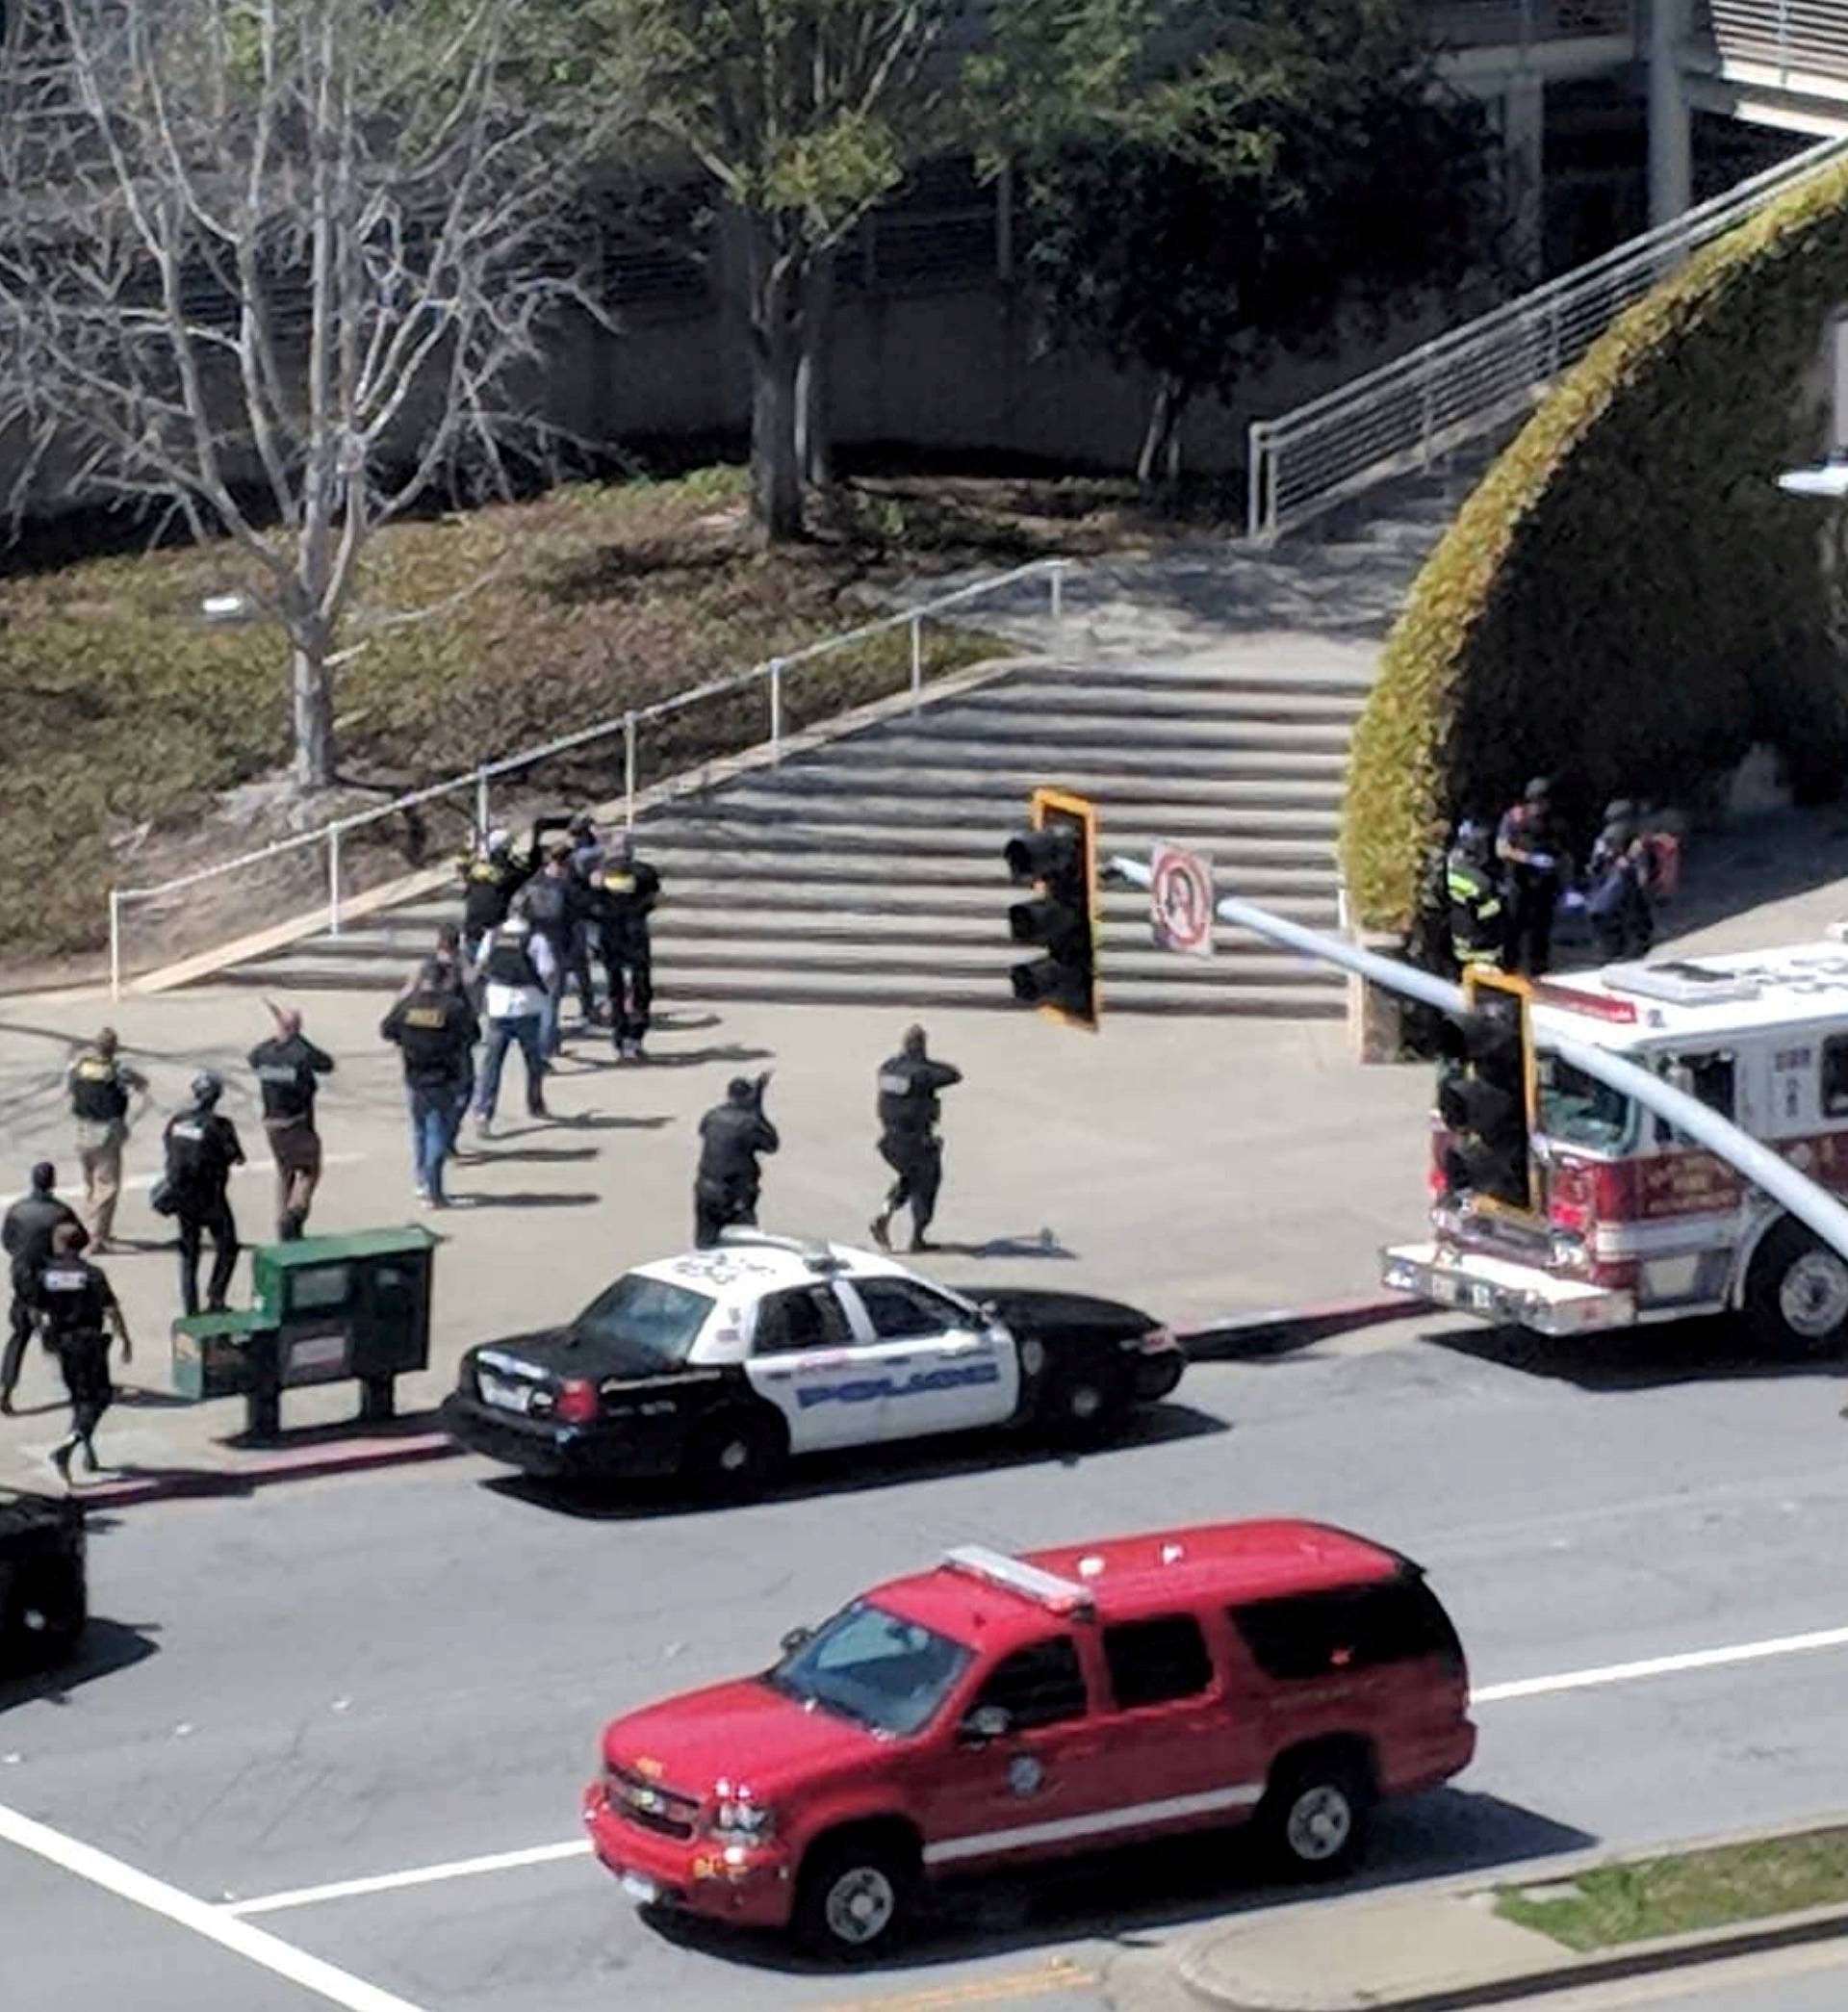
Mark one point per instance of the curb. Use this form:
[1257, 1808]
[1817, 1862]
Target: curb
[1279, 1327]
[307, 1463]
[1193, 1966]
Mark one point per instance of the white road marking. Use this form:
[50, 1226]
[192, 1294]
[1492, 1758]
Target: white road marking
[1661, 1667]
[418, 1875]
[1593, 1679]
[142, 1890]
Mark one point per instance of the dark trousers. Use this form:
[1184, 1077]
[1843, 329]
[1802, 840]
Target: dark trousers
[84, 1360]
[195, 1225]
[1529, 949]
[919, 1163]
[630, 970]
[18, 1333]
[717, 1206]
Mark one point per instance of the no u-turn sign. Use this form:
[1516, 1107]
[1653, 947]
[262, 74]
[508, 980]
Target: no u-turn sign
[1180, 900]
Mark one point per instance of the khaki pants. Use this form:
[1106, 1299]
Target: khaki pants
[99, 1151]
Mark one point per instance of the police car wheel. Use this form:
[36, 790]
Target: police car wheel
[1086, 1407]
[46, 1616]
[1796, 1294]
[739, 1455]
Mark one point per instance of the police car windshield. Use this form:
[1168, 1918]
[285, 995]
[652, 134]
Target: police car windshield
[1578, 1110]
[649, 1322]
[874, 1667]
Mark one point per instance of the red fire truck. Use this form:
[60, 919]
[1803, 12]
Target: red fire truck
[1618, 1218]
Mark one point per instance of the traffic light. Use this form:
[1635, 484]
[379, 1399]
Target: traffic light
[1485, 1092]
[1060, 853]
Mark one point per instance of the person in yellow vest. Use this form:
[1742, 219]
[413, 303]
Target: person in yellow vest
[100, 1085]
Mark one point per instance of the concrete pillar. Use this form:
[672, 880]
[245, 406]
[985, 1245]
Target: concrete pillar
[1671, 133]
[1524, 138]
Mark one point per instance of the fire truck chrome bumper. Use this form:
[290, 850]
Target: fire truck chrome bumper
[1494, 1290]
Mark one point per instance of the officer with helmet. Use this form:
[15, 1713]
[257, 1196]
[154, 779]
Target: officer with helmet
[490, 881]
[202, 1147]
[1478, 924]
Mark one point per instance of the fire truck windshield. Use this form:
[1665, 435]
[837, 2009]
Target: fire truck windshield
[1578, 1110]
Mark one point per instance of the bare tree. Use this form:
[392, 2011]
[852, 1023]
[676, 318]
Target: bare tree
[281, 266]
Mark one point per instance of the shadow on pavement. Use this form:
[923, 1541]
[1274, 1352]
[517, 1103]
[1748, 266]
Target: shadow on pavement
[107, 1647]
[339, 1432]
[579, 1199]
[1042, 1243]
[853, 1473]
[568, 1122]
[532, 1155]
[694, 1058]
[1124, 1897]
[1714, 1350]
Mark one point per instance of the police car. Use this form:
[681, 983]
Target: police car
[717, 1366]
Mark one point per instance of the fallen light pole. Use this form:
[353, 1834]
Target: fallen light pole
[1813, 1206]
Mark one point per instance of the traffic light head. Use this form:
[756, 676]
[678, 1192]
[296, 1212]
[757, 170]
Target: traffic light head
[1060, 853]
[1485, 1094]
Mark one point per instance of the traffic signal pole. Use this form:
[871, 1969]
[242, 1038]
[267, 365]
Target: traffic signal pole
[1812, 1205]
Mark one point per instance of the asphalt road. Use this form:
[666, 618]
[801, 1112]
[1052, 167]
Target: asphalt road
[369, 1676]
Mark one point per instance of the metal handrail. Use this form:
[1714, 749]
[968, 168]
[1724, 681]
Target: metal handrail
[1460, 386]
[481, 777]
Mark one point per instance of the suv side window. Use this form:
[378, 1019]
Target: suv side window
[1153, 1662]
[1321, 1635]
[808, 1317]
[901, 1310]
[1041, 1685]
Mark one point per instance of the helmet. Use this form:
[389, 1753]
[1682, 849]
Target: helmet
[208, 1086]
[1539, 790]
[1471, 830]
[499, 840]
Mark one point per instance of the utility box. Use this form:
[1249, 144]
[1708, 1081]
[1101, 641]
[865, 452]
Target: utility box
[328, 1309]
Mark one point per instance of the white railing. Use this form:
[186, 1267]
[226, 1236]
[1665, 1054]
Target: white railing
[1407, 414]
[481, 780]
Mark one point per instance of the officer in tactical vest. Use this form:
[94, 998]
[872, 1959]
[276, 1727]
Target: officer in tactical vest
[100, 1085]
[908, 1086]
[1478, 923]
[731, 1136]
[202, 1147]
[289, 1066]
[435, 1029]
[626, 890]
[77, 1308]
[25, 1236]
[490, 880]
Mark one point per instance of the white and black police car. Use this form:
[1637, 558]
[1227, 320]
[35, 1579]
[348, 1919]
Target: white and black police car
[715, 1367]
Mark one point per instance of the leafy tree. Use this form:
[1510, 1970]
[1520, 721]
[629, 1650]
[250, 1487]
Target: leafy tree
[1206, 183]
[275, 267]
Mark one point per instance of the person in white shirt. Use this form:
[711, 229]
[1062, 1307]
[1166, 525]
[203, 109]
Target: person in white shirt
[518, 966]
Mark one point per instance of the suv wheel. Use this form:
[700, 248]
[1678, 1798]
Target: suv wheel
[1796, 1294]
[854, 1897]
[1315, 1815]
[739, 1455]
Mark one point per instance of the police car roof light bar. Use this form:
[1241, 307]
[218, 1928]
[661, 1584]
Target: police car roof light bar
[1044, 1588]
[817, 1255]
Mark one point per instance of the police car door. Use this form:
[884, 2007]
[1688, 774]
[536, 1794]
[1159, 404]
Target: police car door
[945, 1371]
[806, 1359]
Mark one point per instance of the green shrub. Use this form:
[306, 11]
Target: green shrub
[1628, 602]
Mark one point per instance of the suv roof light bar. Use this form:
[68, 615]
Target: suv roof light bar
[1044, 1588]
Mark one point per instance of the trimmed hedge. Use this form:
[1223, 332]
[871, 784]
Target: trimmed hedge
[1628, 602]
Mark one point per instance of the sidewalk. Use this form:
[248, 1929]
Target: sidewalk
[1203, 1170]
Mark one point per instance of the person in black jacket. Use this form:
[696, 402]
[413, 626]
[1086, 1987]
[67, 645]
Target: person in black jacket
[553, 904]
[731, 1136]
[100, 1086]
[436, 1029]
[202, 1147]
[625, 892]
[78, 1307]
[490, 880]
[909, 1085]
[25, 1236]
[289, 1066]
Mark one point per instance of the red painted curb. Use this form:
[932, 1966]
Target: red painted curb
[308, 1463]
[1244, 1332]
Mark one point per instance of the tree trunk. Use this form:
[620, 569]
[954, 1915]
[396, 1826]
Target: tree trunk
[1159, 464]
[815, 377]
[311, 687]
[776, 288]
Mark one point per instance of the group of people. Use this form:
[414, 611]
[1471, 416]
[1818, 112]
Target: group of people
[1504, 884]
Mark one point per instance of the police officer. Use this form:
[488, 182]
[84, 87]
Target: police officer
[25, 1236]
[731, 1136]
[1528, 845]
[626, 890]
[435, 1028]
[1617, 890]
[202, 1147]
[287, 1066]
[1478, 927]
[908, 1142]
[100, 1085]
[490, 880]
[77, 1307]
[552, 903]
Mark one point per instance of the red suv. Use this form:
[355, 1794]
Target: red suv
[999, 1710]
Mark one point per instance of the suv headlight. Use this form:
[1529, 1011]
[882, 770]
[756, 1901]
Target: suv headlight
[743, 1823]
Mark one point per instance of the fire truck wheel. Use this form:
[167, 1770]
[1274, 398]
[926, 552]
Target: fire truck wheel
[1796, 1294]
